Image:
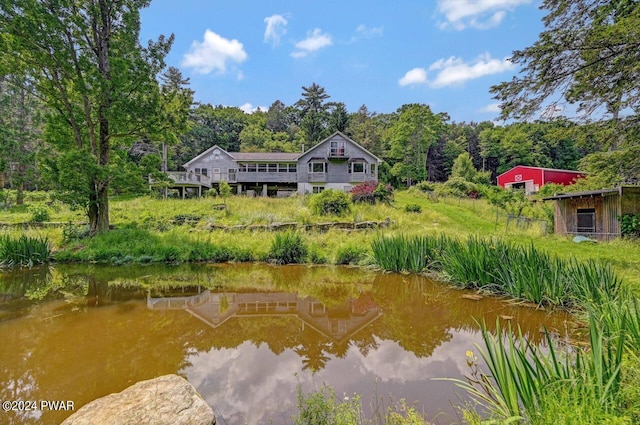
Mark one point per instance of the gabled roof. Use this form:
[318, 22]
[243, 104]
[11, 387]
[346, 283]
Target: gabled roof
[338, 133]
[205, 153]
[543, 169]
[274, 156]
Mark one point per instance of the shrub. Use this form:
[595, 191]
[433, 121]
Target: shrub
[364, 192]
[371, 192]
[425, 186]
[287, 248]
[413, 208]
[459, 187]
[350, 254]
[39, 213]
[630, 225]
[331, 202]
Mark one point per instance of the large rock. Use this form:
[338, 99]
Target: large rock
[168, 399]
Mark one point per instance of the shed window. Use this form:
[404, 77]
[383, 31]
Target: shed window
[586, 220]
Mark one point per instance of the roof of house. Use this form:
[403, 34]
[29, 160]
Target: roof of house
[544, 169]
[265, 156]
[272, 156]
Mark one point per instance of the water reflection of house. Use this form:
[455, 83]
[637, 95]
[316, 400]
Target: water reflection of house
[336, 322]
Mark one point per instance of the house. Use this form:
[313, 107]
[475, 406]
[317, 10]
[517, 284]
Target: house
[594, 213]
[337, 162]
[337, 323]
[531, 179]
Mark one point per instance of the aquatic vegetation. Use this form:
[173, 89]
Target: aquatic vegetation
[24, 251]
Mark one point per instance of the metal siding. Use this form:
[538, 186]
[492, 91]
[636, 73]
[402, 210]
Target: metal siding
[527, 173]
[565, 178]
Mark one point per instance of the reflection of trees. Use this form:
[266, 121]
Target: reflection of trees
[313, 349]
[123, 341]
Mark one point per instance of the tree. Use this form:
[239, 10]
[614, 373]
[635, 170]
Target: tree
[176, 100]
[339, 117]
[313, 112]
[587, 54]
[89, 68]
[21, 125]
[412, 135]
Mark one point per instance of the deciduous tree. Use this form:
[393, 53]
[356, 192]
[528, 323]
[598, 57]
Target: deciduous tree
[92, 72]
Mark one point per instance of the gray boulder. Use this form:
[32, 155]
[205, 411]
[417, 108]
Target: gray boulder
[168, 399]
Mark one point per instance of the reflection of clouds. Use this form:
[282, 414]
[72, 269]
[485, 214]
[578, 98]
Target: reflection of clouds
[250, 384]
[247, 384]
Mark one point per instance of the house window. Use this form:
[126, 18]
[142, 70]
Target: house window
[251, 168]
[293, 168]
[373, 169]
[243, 168]
[282, 168]
[262, 168]
[337, 149]
[204, 171]
[586, 220]
[317, 167]
[356, 167]
[318, 189]
[273, 168]
[197, 170]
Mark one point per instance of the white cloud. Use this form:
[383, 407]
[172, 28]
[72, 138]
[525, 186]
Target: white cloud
[455, 72]
[315, 40]
[213, 54]
[480, 14]
[492, 107]
[366, 32]
[248, 108]
[414, 76]
[276, 28]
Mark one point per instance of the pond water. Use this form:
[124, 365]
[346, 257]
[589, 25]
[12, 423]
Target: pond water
[247, 336]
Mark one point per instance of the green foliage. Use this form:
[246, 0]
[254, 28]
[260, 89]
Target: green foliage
[425, 186]
[24, 251]
[459, 187]
[288, 248]
[322, 407]
[630, 225]
[350, 254]
[39, 213]
[225, 190]
[331, 202]
[414, 208]
[522, 272]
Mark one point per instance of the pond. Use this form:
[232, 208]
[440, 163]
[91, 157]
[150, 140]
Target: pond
[247, 336]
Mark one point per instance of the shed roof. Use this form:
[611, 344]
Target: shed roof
[587, 194]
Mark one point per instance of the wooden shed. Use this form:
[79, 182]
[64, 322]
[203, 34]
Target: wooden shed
[594, 213]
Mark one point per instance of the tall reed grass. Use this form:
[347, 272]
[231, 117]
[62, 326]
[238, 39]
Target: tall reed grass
[524, 381]
[24, 251]
[522, 272]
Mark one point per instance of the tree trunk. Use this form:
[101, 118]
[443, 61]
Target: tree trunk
[99, 208]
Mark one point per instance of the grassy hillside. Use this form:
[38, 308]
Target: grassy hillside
[158, 230]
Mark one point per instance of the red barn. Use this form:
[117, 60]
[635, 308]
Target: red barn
[531, 179]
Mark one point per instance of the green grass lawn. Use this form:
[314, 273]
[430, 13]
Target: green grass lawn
[157, 222]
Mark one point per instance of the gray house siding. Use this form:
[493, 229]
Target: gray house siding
[216, 164]
[336, 162]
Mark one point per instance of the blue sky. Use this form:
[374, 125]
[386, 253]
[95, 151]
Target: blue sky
[444, 53]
